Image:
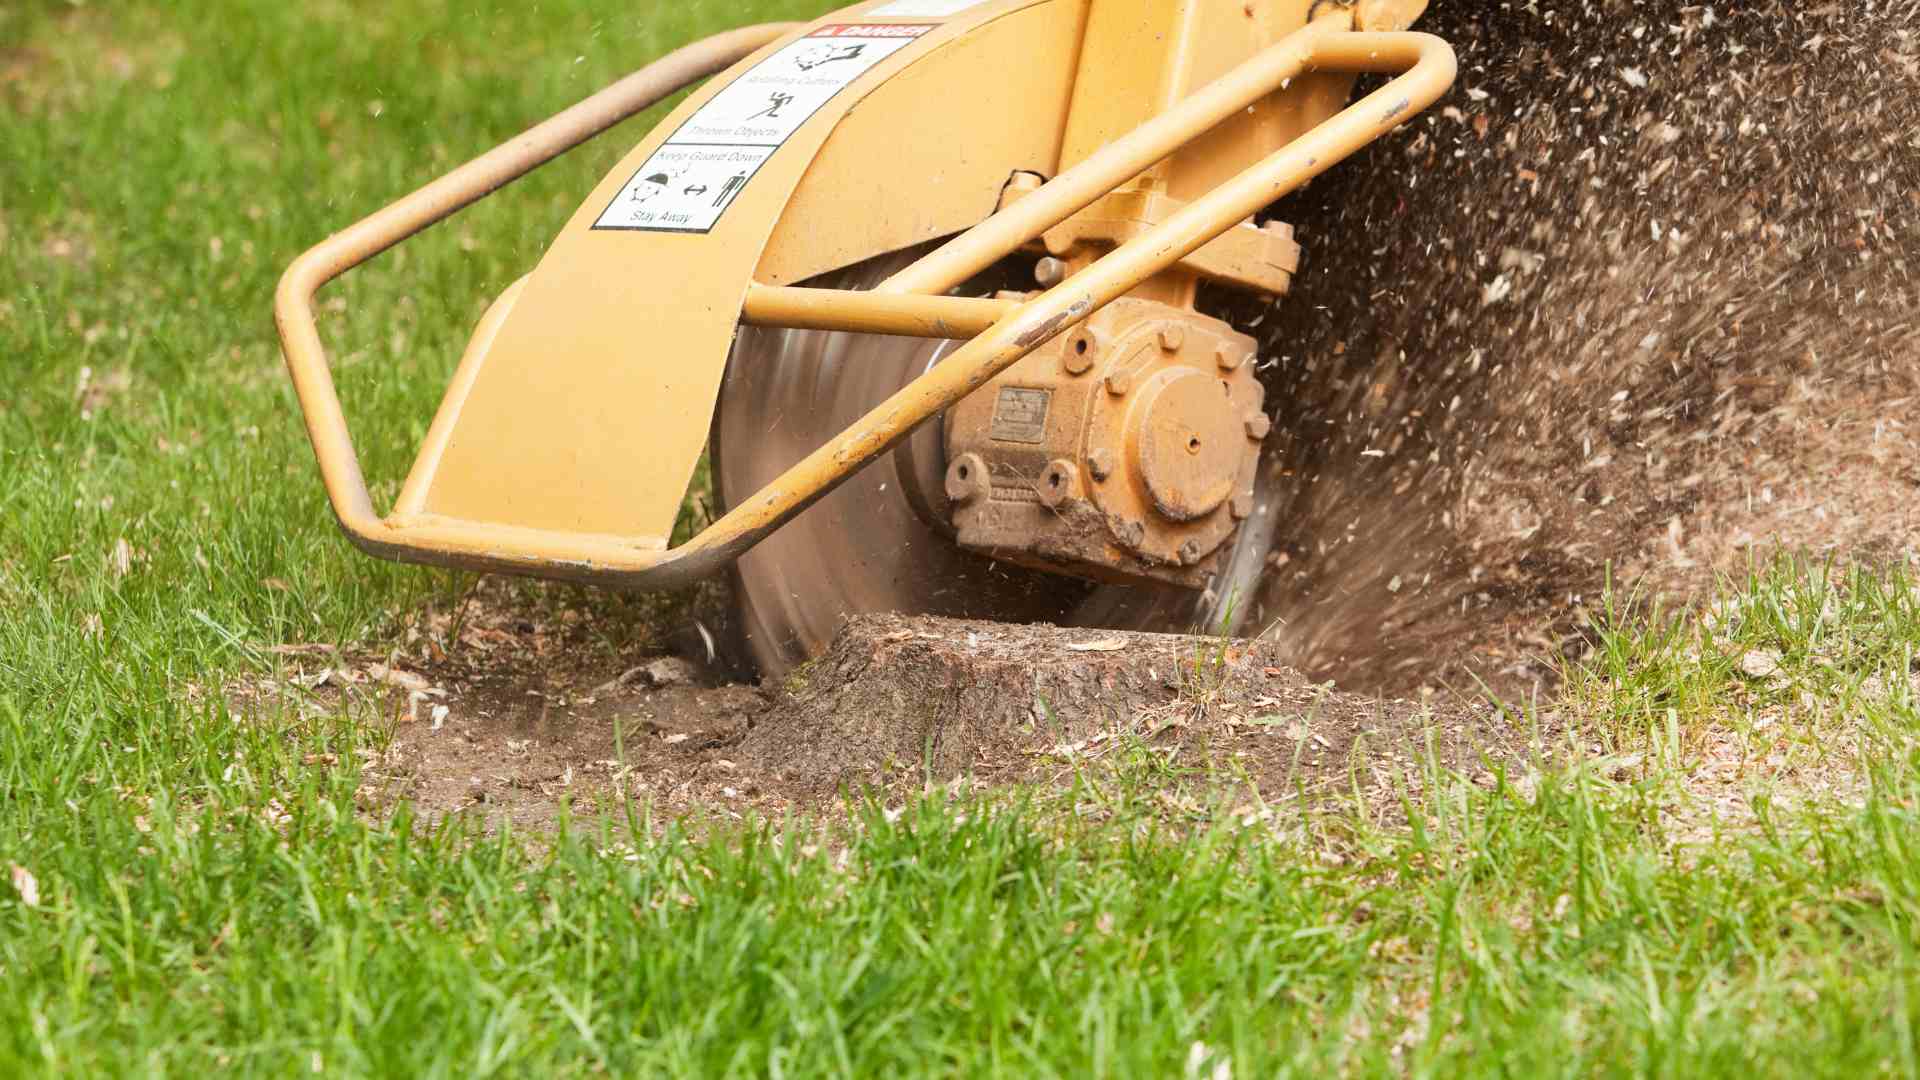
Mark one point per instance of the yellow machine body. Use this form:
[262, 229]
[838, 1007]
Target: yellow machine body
[588, 412]
[1132, 139]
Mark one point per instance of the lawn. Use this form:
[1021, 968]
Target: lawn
[1719, 872]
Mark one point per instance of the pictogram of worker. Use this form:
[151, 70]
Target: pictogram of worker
[776, 101]
[649, 186]
[734, 183]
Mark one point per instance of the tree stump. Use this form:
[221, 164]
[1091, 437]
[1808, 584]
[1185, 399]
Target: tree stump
[936, 698]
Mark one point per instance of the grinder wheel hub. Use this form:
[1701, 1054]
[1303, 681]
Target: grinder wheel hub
[1119, 451]
[1188, 442]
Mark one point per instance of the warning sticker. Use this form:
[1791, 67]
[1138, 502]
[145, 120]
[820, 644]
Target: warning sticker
[686, 184]
[930, 9]
[683, 187]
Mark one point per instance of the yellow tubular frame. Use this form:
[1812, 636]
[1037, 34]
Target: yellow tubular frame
[1001, 332]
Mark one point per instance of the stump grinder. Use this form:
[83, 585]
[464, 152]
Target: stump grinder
[917, 280]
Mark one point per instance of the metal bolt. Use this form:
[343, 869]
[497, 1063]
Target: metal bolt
[1049, 272]
[1100, 463]
[1241, 507]
[1119, 382]
[1171, 337]
[1228, 357]
[1133, 533]
[1190, 553]
[1019, 185]
[1257, 426]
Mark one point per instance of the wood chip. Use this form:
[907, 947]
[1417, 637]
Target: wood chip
[405, 680]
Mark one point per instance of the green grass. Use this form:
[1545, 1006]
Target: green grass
[1724, 878]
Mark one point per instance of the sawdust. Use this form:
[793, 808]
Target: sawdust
[1638, 298]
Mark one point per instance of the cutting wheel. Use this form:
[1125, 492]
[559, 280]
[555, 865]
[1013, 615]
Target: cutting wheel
[878, 542]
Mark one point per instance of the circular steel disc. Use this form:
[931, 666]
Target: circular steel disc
[863, 547]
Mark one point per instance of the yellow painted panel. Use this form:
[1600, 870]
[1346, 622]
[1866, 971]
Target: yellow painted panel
[926, 154]
[591, 409]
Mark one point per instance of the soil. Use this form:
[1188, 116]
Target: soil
[497, 715]
[509, 702]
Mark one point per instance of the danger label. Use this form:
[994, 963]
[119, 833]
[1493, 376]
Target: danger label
[688, 183]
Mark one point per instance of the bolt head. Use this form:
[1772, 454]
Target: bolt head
[1049, 272]
[1119, 382]
[1100, 463]
[1190, 553]
[1241, 507]
[1257, 426]
[1228, 357]
[1021, 183]
[1172, 336]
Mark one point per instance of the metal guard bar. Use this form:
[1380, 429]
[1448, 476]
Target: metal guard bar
[1002, 331]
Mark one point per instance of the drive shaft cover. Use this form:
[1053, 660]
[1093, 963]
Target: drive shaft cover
[1123, 450]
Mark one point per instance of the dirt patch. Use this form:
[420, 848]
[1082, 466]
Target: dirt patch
[1637, 299]
[515, 732]
[514, 748]
[514, 699]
